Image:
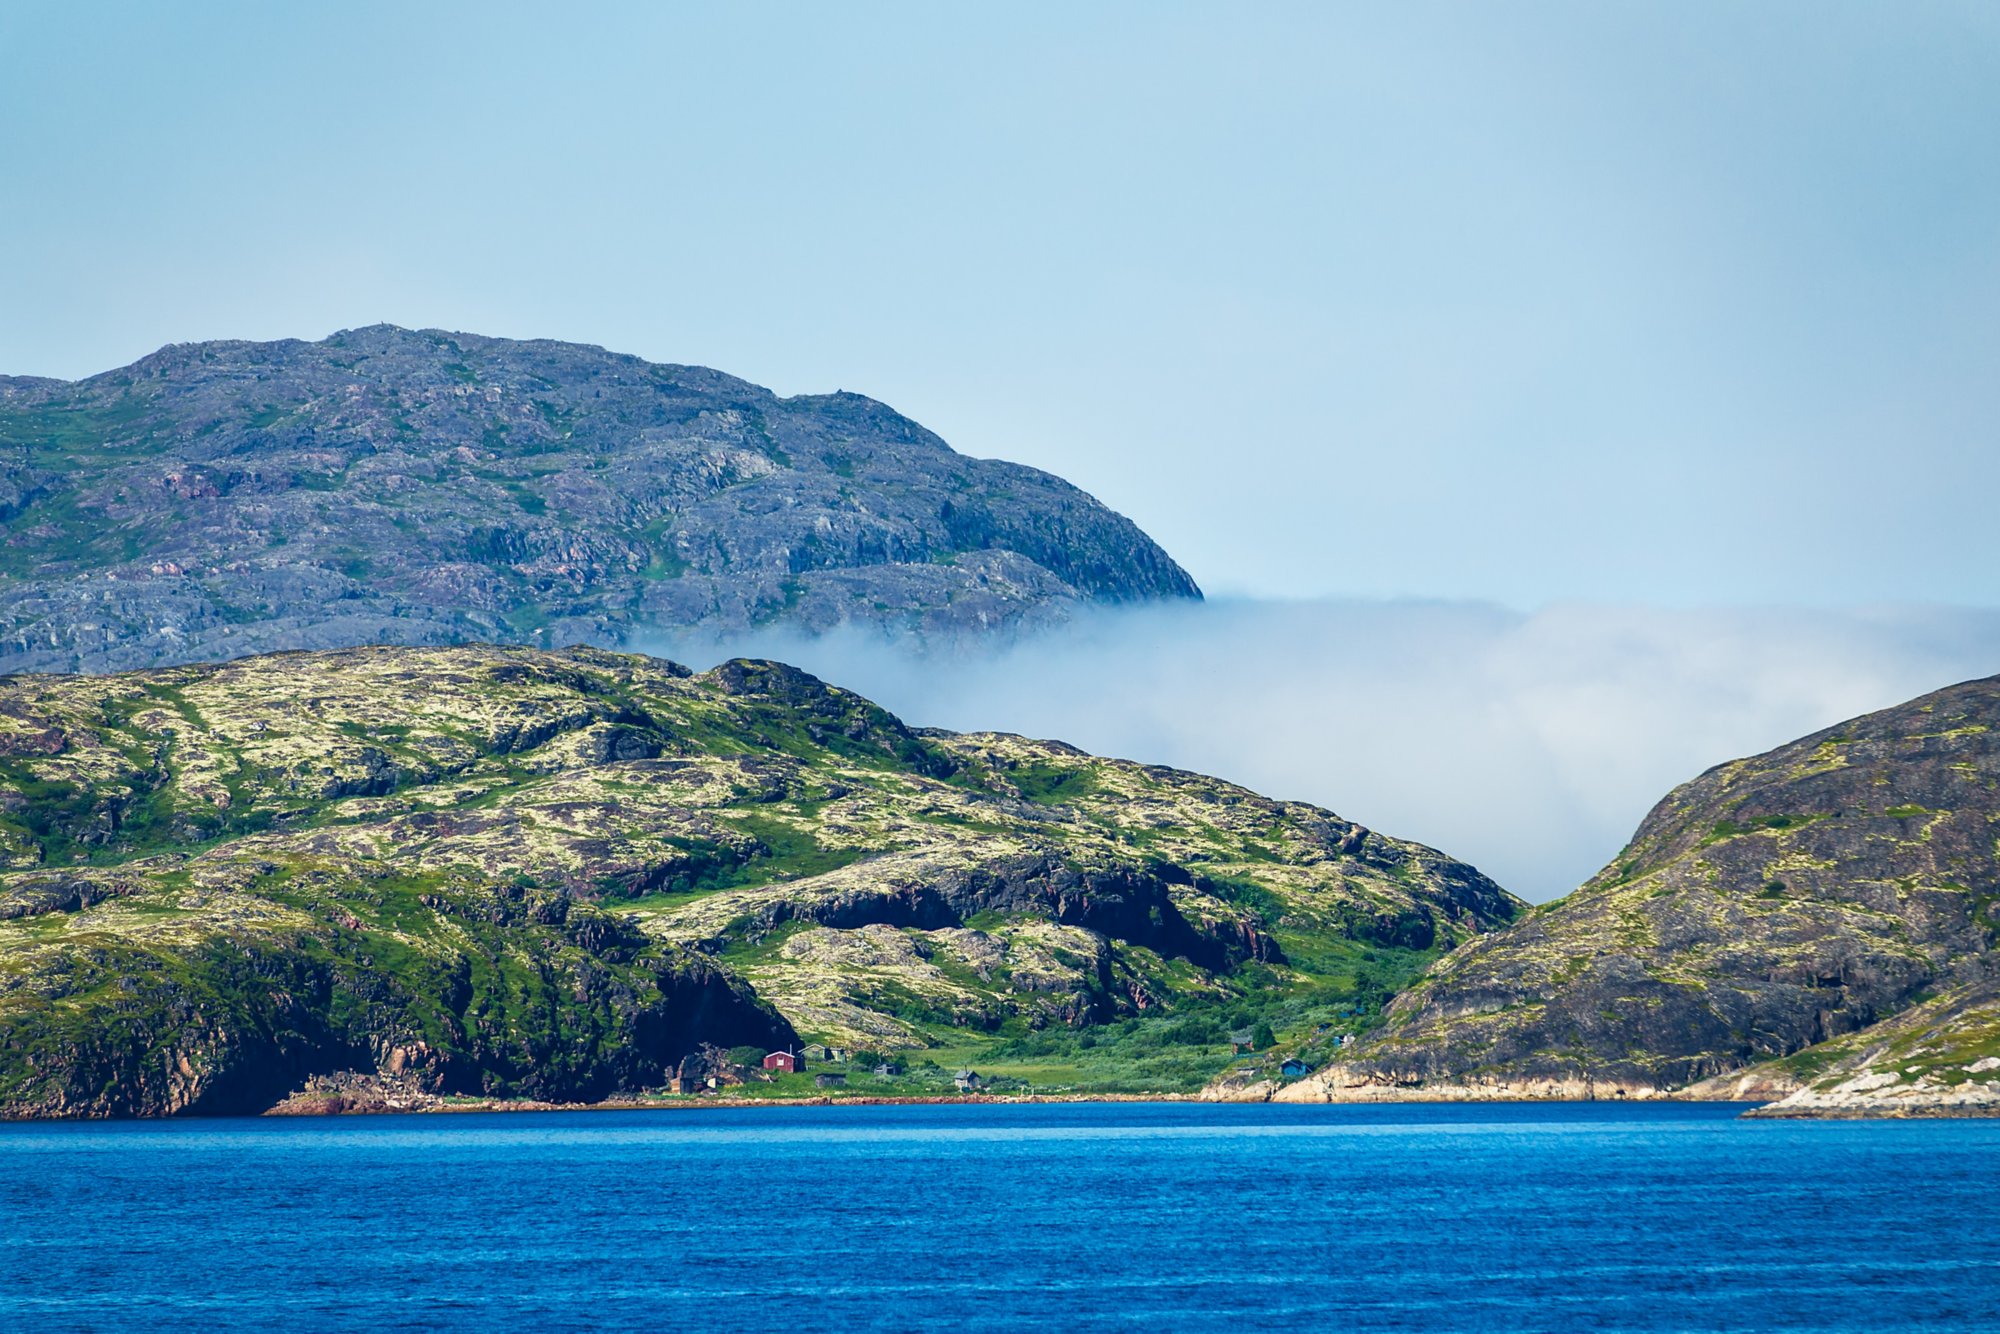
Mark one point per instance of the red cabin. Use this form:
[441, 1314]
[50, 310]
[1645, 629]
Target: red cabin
[785, 1061]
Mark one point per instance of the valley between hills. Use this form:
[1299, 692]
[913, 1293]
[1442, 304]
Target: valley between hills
[303, 808]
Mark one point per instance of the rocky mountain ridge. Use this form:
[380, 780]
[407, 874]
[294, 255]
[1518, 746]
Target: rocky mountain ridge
[387, 485]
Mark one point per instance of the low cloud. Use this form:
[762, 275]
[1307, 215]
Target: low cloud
[1530, 744]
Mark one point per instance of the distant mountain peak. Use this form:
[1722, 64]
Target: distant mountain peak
[424, 486]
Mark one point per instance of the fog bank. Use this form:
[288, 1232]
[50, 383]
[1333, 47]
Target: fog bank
[1530, 744]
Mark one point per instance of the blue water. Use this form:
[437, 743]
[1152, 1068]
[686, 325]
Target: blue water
[1123, 1216]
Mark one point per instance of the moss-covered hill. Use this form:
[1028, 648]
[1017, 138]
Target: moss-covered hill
[1772, 904]
[555, 874]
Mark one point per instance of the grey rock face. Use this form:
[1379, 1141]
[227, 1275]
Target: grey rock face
[391, 486]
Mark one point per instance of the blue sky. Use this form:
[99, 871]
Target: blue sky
[1682, 304]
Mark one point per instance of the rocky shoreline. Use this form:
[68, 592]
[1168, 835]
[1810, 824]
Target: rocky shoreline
[320, 1103]
[356, 1095]
[1338, 1089]
[1775, 1093]
[1877, 1093]
[679, 1103]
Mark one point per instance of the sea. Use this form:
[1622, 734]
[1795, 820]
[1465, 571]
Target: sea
[1085, 1216]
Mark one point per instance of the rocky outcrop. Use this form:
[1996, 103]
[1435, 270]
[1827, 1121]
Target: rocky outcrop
[1132, 903]
[391, 874]
[1343, 1084]
[1773, 905]
[388, 486]
[1937, 1058]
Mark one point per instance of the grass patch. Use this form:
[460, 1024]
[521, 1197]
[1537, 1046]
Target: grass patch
[1051, 784]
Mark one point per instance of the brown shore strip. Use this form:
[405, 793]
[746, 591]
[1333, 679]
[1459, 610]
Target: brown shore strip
[305, 1105]
[364, 1105]
[344, 1106]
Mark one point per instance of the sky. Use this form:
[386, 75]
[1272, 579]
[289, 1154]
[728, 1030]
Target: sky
[1679, 303]
[1671, 325]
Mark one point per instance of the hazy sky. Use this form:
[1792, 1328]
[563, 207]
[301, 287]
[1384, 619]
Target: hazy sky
[1530, 744]
[1673, 304]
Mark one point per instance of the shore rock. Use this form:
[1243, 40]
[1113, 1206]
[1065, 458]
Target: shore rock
[1939, 1058]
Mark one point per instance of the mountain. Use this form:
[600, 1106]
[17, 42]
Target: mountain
[512, 872]
[1773, 913]
[391, 486]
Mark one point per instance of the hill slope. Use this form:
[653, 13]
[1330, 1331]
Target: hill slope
[1772, 904]
[390, 486]
[1939, 1057]
[557, 874]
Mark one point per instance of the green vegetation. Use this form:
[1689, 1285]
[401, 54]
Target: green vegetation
[663, 563]
[504, 872]
[1050, 784]
[1731, 829]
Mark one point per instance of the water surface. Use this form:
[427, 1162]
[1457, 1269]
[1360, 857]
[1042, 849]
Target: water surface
[1088, 1216]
